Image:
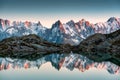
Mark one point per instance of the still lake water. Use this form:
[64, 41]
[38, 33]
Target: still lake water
[58, 67]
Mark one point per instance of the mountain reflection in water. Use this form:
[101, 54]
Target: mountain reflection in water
[70, 61]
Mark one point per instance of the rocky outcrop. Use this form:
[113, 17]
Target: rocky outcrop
[30, 45]
[108, 43]
[102, 46]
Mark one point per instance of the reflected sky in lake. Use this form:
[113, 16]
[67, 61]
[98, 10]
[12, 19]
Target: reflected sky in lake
[58, 67]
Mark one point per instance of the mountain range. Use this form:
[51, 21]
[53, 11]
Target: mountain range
[62, 33]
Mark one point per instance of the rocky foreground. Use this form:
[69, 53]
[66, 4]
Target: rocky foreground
[97, 47]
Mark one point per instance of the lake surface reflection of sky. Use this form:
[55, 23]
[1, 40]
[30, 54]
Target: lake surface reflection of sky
[58, 67]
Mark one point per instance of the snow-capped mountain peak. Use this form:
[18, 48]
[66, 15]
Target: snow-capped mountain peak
[27, 24]
[58, 24]
[71, 23]
[4, 23]
[39, 23]
[112, 19]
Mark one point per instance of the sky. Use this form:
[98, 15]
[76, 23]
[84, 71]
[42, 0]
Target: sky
[49, 11]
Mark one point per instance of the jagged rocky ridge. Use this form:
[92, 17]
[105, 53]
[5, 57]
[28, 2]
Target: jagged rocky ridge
[58, 61]
[68, 33]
